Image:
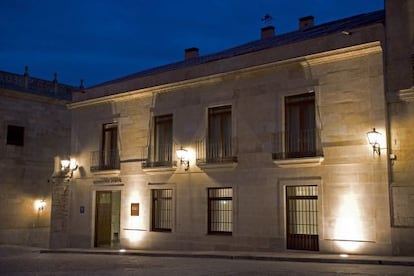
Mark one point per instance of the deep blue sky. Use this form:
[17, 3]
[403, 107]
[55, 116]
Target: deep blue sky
[100, 40]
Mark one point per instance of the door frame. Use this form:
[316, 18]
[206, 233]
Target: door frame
[93, 211]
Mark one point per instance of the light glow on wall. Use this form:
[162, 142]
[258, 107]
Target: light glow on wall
[348, 228]
[134, 225]
[134, 236]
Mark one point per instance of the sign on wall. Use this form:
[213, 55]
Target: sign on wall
[134, 209]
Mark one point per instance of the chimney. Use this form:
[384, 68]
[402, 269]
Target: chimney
[55, 83]
[268, 32]
[191, 53]
[306, 23]
[26, 76]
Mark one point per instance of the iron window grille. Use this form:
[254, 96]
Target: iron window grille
[220, 211]
[162, 210]
[302, 217]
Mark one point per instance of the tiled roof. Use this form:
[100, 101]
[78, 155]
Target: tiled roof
[261, 44]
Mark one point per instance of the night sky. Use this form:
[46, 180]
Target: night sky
[102, 40]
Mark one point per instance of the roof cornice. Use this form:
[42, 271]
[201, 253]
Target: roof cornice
[308, 60]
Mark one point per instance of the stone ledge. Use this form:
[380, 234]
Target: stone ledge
[299, 162]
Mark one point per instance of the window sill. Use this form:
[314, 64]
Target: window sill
[299, 162]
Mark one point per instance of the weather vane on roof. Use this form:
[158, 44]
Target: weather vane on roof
[267, 19]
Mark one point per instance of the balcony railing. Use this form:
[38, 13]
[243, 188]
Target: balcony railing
[104, 160]
[158, 164]
[160, 156]
[301, 144]
[216, 152]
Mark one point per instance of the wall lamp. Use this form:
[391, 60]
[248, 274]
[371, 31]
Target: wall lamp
[40, 205]
[68, 166]
[374, 137]
[182, 154]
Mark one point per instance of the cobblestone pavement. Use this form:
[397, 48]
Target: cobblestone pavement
[29, 261]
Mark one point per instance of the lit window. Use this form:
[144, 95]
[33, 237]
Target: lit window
[220, 210]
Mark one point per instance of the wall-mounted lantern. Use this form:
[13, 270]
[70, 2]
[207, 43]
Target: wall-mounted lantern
[182, 154]
[40, 205]
[374, 138]
[68, 166]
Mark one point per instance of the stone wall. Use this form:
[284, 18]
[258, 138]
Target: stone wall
[26, 169]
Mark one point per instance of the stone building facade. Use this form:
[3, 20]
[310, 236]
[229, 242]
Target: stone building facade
[259, 147]
[34, 127]
[400, 107]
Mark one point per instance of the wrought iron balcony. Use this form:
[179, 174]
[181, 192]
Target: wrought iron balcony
[158, 164]
[104, 160]
[215, 152]
[300, 144]
[160, 156]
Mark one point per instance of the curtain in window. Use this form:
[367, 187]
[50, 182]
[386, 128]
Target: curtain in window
[219, 133]
[300, 136]
[109, 157]
[163, 139]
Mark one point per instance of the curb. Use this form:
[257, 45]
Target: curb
[366, 261]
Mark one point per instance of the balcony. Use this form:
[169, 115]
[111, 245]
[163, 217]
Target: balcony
[158, 164]
[104, 161]
[161, 157]
[302, 148]
[216, 153]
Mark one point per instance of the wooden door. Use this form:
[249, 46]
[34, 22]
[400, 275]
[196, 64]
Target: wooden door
[103, 218]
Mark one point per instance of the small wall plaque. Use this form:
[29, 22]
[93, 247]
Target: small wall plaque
[134, 209]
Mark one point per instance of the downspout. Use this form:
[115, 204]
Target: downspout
[387, 94]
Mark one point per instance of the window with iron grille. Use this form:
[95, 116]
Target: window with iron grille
[302, 217]
[220, 210]
[109, 153]
[162, 210]
[219, 139]
[15, 135]
[300, 128]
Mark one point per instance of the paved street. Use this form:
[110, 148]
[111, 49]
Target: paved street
[26, 261]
